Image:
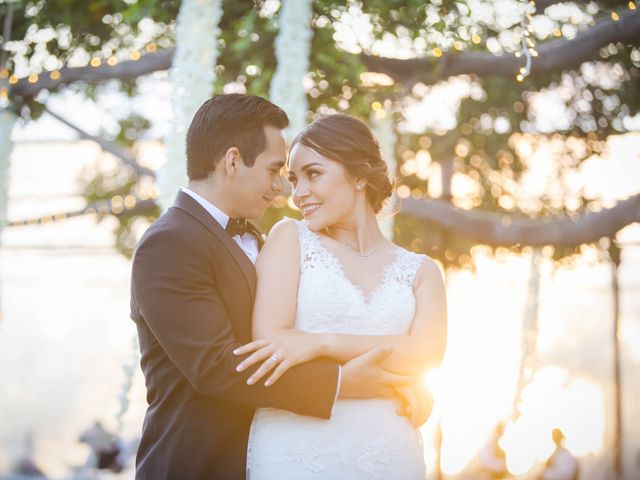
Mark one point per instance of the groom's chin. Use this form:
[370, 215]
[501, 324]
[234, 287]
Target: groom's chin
[258, 211]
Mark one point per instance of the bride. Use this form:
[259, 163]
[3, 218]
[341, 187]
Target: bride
[334, 286]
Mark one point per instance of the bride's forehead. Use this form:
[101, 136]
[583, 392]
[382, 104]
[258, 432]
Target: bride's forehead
[301, 155]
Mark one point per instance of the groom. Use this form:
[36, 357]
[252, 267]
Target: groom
[192, 289]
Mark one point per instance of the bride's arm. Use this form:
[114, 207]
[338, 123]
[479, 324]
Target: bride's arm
[278, 272]
[413, 353]
[278, 269]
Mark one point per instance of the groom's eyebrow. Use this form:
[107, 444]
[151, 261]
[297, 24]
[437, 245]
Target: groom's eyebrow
[278, 163]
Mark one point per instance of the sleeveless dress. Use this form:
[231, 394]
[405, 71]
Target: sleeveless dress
[365, 438]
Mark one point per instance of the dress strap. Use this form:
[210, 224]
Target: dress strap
[311, 252]
[407, 266]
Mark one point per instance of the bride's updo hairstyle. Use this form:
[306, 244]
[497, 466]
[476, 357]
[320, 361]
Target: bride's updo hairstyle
[349, 141]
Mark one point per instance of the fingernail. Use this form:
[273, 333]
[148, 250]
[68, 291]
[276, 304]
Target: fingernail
[267, 383]
[239, 368]
[236, 351]
[250, 381]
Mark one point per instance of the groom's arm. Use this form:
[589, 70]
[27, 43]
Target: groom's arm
[176, 296]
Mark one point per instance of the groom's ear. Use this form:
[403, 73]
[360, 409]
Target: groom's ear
[230, 162]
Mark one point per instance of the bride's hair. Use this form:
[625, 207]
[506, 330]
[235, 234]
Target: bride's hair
[349, 141]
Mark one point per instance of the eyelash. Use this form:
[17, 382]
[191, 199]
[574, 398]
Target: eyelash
[310, 173]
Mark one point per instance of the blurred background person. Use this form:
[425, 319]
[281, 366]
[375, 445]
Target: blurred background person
[561, 465]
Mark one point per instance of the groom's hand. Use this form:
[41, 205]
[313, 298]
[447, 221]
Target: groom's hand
[363, 376]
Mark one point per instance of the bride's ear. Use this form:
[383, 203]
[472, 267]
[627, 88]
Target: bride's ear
[361, 183]
[230, 162]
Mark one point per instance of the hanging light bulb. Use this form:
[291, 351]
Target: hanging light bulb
[526, 42]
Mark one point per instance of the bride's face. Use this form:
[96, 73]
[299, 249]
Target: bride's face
[322, 189]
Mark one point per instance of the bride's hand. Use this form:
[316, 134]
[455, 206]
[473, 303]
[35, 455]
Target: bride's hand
[281, 352]
[417, 403]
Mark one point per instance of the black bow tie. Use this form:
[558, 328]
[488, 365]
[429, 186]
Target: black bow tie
[240, 226]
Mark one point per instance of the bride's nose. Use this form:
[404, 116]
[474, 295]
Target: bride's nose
[300, 192]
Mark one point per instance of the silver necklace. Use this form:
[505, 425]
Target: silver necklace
[368, 253]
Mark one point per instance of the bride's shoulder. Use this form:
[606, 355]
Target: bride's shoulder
[425, 266]
[284, 231]
[286, 226]
[428, 270]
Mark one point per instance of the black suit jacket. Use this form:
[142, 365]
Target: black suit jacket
[192, 292]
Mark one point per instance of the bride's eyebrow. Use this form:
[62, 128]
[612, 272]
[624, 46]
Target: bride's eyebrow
[310, 165]
[303, 169]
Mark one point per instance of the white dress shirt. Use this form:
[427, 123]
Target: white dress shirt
[247, 242]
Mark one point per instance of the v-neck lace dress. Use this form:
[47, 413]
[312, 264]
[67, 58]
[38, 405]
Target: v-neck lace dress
[364, 439]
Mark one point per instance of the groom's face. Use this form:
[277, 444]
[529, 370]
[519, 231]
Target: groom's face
[255, 187]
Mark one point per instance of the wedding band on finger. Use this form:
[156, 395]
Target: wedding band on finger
[275, 358]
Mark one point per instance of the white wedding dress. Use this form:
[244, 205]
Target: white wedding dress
[364, 439]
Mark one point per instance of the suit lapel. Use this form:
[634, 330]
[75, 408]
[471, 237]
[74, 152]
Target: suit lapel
[187, 204]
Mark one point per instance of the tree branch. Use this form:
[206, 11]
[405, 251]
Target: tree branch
[489, 227]
[127, 70]
[554, 55]
[541, 5]
[101, 207]
[107, 146]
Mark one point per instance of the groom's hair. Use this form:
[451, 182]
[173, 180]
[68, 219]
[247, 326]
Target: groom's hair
[225, 121]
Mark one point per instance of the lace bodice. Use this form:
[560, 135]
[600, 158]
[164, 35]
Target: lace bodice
[364, 439]
[329, 302]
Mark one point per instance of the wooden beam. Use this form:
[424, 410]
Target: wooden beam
[127, 70]
[554, 55]
[497, 229]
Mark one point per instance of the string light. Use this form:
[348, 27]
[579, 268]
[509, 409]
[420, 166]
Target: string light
[112, 61]
[116, 205]
[615, 16]
[130, 202]
[437, 52]
[526, 43]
